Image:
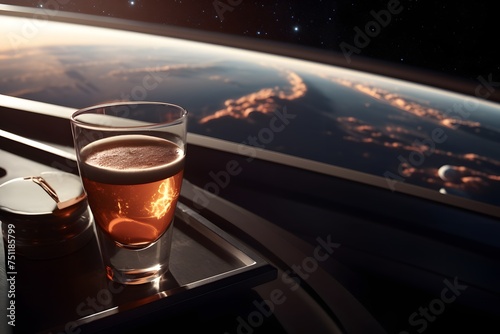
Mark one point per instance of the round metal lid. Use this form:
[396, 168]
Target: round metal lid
[49, 213]
[47, 195]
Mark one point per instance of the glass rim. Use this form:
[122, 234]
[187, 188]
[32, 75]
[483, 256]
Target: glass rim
[79, 112]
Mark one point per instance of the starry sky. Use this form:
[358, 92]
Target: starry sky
[451, 38]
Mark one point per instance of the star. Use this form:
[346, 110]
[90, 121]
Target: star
[296, 28]
[131, 2]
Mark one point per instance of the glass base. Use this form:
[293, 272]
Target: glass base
[135, 265]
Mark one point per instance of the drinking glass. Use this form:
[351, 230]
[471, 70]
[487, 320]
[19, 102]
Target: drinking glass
[131, 160]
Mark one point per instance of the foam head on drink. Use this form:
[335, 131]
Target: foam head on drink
[132, 183]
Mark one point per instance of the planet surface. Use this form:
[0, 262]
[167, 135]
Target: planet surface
[397, 130]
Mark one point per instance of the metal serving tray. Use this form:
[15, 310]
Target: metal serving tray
[71, 294]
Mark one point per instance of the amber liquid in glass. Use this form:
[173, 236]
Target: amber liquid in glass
[132, 183]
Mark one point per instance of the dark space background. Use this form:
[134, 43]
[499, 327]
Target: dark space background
[456, 39]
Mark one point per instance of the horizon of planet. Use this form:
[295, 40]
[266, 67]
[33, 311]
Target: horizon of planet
[381, 126]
